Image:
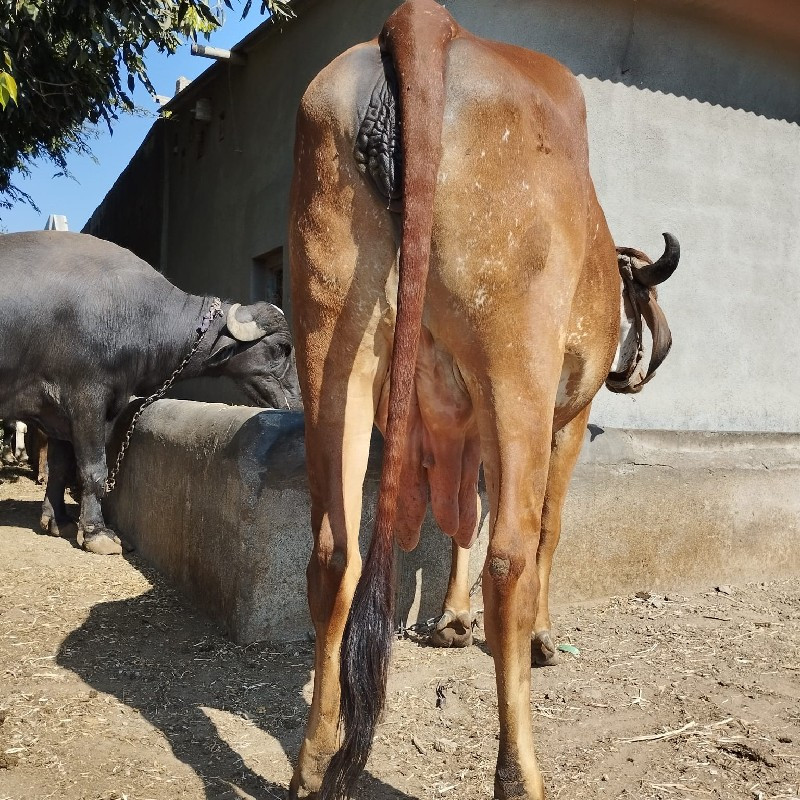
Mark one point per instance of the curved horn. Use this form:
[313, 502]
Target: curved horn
[652, 274]
[247, 331]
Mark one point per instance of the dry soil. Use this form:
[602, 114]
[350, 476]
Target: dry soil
[112, 687]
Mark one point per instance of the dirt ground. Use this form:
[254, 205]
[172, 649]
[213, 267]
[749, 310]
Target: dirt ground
[112, 688]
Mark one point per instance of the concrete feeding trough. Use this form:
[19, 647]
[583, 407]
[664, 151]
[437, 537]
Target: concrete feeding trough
[216, 498]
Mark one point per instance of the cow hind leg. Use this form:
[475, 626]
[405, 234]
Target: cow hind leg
[337, 446]
[55, 519]
[564, 453]
[516, 455]
[454, 627]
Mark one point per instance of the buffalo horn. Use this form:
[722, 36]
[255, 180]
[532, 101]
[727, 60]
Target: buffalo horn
[653, 274]
[247, 331]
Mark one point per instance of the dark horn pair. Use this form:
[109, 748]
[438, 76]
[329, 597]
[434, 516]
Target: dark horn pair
[653, 274]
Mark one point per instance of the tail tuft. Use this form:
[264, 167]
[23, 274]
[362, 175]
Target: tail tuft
[365, 656]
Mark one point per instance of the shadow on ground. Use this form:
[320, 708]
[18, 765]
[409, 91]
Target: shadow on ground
[26, 513]
[169, 664]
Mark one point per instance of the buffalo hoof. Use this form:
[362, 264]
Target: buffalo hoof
[101, 541]
[454, 629]
[543, 651]
[66, 528]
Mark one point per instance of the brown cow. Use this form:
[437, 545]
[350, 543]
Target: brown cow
[484, 341]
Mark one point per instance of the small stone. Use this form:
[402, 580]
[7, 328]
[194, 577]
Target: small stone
[604, 778]
[8, 760]
[444, 746]
[785, 739]
[644, 595]
[725, 589]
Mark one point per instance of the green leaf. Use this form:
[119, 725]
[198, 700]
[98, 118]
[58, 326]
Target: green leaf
[569, 648]
[8, 89]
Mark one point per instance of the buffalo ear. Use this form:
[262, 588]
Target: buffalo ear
[222, 352]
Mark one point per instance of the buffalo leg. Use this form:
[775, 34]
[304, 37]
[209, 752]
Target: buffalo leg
[55, 520]
[36, 446]
[90, 455]
[564, 453]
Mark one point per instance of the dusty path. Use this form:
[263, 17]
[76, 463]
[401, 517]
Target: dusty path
[112, 688]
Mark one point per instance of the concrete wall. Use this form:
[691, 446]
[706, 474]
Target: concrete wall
[132, 213]
[727, 183]
[216, 498]
[677, 144]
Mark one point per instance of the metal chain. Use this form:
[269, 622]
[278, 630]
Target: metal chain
[214, 310]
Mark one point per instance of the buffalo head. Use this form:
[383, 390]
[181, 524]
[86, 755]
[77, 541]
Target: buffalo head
[254, 348]
[639, 276]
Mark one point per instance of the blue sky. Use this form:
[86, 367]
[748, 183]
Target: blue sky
[78, 196]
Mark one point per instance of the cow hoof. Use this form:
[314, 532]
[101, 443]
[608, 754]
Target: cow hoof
[66, 528]
[296, 793]
[543, 651]
[453, 630]
[101, 541]
[305, 784]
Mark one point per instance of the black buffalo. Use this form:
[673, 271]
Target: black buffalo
[85, 325]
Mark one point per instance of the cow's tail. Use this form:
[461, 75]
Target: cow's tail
[416, 38]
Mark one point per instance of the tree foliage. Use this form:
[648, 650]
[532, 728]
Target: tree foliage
[64, 63]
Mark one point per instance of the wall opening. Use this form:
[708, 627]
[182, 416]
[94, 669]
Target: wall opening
[266, 281]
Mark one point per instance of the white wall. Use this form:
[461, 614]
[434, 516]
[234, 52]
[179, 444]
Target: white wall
[727, 184]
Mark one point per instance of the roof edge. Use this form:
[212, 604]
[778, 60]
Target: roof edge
[267, 29]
